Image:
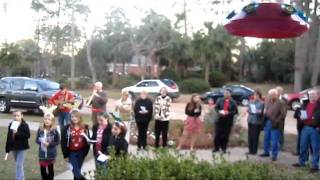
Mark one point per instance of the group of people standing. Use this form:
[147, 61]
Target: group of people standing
[267, 114]
[74, 135]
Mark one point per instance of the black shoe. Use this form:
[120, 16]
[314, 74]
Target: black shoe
[297, 165]
[264, 155]
[314, 170]
[274, 159]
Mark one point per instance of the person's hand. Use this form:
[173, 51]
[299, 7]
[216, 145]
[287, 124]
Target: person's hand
[66, 159]
[6, 156]
[14, 131]
[46, 144]
[143, 112]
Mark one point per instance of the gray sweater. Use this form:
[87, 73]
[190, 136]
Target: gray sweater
[255, 110]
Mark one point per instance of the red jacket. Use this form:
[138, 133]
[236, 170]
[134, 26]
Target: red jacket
[62, 97]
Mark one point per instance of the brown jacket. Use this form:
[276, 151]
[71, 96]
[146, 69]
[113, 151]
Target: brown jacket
[276, 113]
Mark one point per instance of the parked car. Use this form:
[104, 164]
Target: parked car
[241, 94]
[27, 93]
[294, 99]
[153, 86]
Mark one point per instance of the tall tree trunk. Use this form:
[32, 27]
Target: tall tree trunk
[301, 51]
[316, 64]
[207, 71]
[185, 18]
[114, 73]
[73, 83]
[241, 58]
[89, 59]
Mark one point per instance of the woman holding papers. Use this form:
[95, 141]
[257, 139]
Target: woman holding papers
[17, 142]
[255, 121]
[48, 139]
[102, 134]
[143, 110]
[75, 143]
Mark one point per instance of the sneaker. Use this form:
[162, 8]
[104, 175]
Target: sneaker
[274, 159]
[297, 165]
[264, 155]
[314, 170]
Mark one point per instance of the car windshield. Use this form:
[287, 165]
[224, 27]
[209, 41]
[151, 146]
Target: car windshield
[48, 85]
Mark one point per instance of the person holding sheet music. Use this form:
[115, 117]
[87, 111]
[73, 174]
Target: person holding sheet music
[75, 143]
[143, 110]
[17, 142]
[255, 121]
[102, 134]
[310, 117]
[48, 139]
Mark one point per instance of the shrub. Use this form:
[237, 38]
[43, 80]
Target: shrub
[166, 165]
[83, 82]
[170, 73]
[217, 79]
[124, 81]
[194, 85]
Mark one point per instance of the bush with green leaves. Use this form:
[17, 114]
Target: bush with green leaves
[124, 81]
[83, 82]
[194, 85]
[169, 165]
[217, 79]
[170, 73]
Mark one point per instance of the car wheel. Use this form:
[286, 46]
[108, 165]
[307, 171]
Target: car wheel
[245, 102]
[4, 105]
[295, 104]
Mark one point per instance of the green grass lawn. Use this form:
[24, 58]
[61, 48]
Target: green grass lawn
[32, 169]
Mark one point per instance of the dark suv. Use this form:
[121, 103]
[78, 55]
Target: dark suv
[26, 93]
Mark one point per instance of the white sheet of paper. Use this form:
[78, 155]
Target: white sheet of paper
[303, 115]
[70, 167]
[88, 139]
[253, 108]
[6, 157]
[143, 108]
[14, 125]
[102, 158]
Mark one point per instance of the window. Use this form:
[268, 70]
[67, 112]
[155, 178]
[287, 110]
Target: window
[30, 86]
[143, 84]
[238, 90]
[3, 84]
[152, 84]
[17, 84]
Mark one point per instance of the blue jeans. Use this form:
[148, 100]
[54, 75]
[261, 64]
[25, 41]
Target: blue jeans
[19, 157]
[76, 160]
[271, 137]
[309, 135]
[64, 119]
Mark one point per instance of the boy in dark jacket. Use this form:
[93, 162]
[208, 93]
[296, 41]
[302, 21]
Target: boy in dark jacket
[143, 110]
[17, 142]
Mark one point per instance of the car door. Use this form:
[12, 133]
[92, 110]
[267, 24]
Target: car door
[15, 92]
[30, 97]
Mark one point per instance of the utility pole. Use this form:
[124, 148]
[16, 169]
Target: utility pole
[73, 85]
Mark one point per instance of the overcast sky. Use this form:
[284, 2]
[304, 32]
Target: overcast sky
[20, 21]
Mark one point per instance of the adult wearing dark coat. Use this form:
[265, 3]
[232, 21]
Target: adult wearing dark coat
[226, 108]
[143, 110]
